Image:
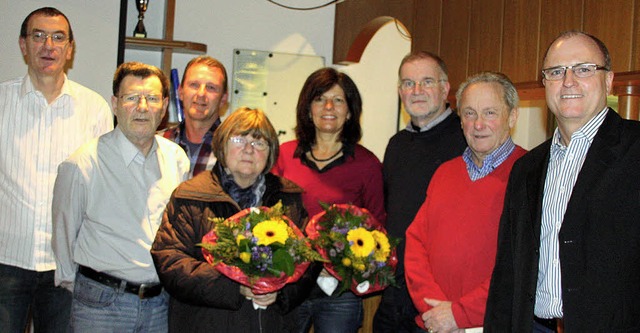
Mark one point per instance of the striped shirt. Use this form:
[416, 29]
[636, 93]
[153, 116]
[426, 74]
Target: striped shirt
[490, 162]
[565, 163]
[201, 155]
[34, 138]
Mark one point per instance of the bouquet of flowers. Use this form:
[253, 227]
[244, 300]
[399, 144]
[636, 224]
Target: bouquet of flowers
[357, 249]
[258, 247]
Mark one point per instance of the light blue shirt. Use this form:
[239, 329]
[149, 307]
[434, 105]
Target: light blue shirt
[108, 202]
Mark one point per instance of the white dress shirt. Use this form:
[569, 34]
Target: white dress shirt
[34, 138]
[564, 166]
[108, 203]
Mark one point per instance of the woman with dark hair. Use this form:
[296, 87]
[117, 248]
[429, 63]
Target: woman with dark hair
[202, 299]
[329, 164]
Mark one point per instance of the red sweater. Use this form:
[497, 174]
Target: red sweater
[357, 181]
[451, 243]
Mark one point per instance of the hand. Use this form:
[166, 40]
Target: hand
[263, 300]
[440, 318]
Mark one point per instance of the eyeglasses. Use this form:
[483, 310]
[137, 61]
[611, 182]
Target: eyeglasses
[336, 100]
[408, 85]
[241, 142]
[580, 70]
[57, 38]
[134, 99]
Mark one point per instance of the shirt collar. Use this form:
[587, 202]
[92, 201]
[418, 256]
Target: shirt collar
[587, 131]
[182, 133]
[490, 162]
[431, 124]
[128, 150]
[28, 88]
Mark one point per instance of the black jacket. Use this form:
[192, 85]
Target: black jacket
[599, 240]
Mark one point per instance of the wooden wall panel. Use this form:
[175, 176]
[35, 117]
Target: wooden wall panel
[353, 15]
[485, 36]
[612, 22]
[454, 46]
[427, 26]
[635, 48]
[520, 40]
[557, 16]
[473, 35]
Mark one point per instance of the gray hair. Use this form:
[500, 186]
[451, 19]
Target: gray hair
[420, 55]
[510, 93]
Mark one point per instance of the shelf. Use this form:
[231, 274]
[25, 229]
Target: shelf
[152, 44]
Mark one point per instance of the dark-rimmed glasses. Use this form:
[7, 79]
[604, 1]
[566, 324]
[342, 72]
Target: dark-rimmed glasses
[580, 70]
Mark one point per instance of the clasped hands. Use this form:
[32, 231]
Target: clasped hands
[440, 318]
[263, 300]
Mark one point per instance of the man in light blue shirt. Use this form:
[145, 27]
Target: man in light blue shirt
[109, 198]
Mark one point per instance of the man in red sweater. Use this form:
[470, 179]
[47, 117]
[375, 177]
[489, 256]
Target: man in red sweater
[451, 243]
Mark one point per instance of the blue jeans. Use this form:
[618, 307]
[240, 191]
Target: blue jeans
[98, 308]
[342, 314]
[23, 290]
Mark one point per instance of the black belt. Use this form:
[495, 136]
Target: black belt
[551, 323]
[142, 290]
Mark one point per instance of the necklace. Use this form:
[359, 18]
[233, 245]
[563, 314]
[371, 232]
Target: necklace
[325, 159]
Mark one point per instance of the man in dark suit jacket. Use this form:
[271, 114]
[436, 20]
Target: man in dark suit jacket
[569, 239]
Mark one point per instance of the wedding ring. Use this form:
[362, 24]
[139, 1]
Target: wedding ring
[430, 330]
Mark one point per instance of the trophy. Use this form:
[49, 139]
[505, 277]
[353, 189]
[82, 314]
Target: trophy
[140, 31]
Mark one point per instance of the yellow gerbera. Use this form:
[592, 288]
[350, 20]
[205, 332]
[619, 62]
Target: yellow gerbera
[382, 246]
[271, 231]
[362, 242]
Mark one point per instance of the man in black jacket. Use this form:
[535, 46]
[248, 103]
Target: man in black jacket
[569, 239]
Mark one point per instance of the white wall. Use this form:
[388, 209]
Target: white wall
[225, 25]
[376, 76]
[221, 24]
[241, 24]
[531, 126]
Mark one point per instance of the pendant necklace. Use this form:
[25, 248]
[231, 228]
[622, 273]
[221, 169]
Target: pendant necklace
[325, 159]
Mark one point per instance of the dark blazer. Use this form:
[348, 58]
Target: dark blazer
[599, 238]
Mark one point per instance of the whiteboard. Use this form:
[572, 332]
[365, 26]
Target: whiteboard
[271, 81]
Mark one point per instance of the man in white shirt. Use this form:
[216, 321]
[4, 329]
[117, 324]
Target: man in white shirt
[108, 203]
[44, 117]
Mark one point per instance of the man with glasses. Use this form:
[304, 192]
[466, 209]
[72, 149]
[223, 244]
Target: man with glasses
[432, 137]
[108, 202]
[569, 240]
[203, 93]
[44, 117]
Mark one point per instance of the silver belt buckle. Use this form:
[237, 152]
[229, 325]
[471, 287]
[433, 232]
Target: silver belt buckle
[142, 289]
